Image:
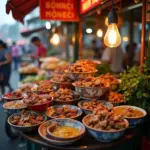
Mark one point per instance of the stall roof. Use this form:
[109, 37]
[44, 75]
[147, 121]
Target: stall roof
[20, 8]
[29, 32]
[32, 20]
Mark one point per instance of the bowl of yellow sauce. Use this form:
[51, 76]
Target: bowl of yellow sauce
[65, 129]
[133, 114]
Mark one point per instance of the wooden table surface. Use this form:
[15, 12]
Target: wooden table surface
[130, 141]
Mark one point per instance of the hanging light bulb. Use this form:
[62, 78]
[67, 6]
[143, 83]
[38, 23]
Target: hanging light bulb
[112, 37]
[73, 38]
[99, 33]
[55, 40]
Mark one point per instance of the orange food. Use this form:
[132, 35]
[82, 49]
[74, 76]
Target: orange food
[128, 112]
[26, 119]
[63, 95]
[94, 105]
[15, 94]
[35, 99]
[80, 67]
[43, 86]
[89, 62]
[91, 82]
[109, 79]
[62, 112]
[65, 131]
[25, 88]
[61, 78]
[61, 70]
[115, 97]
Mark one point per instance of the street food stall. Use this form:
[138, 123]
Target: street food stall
[76, 107]
[88, 107]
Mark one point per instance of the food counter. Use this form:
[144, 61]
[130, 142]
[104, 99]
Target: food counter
[68, 112]
[130, 141]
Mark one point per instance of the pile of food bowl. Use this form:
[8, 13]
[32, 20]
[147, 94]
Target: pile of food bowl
[68, 105]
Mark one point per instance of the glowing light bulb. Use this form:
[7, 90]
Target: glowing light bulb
[112, 37]
[89, 30]
[99, 33]
[48, 25]
[125, 39]
[55, 40]
[73, 38]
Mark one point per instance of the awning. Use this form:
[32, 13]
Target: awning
[32, 20]
[20, 8]
[29, 32]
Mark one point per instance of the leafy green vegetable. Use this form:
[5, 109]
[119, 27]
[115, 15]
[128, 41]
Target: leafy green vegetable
[30, 79]
[136, 87]
[103, 69]
[53, 52]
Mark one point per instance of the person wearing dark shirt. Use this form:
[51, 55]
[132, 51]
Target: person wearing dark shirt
[5, 67]
[97, 54]
[129, 55]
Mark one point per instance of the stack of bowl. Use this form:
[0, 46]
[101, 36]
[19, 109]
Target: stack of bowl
[45, 131]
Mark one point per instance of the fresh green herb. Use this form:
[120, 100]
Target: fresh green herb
[103, 69]
[31, 79]
[136, 87]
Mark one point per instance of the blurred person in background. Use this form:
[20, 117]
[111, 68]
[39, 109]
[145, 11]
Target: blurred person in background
[96, 50]
[137, 56]
[129, 55]
[40, 49]
[114, 57]
[126, 58]
[5, 67]
[138, 53]
[103, 47]
[16, 55]
[71, 51]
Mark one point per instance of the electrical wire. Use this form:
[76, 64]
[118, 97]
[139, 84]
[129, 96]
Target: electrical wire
[112, 5]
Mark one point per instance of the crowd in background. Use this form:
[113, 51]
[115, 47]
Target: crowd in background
[115, 57]
[10, 58]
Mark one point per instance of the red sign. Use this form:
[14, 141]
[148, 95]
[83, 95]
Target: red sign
[63, 10]
[86, 5]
